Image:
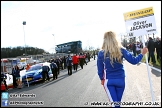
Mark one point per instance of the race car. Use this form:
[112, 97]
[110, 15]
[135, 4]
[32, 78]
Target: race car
[34, 73]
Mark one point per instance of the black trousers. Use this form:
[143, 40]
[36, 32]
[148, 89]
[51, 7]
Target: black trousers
[58, 69]
[54, 72]
[89, 59]
[158, 54]
[45, 73]
[134, 53]
[152, 56]
[69, 70]
[85, 61]
[81, 65]
[14, 82]
[75, 66]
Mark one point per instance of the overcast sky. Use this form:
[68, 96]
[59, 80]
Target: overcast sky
[68, 21]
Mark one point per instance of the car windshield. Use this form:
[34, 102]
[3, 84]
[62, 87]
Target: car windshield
[35, 67]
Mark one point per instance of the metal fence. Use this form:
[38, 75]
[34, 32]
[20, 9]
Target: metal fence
[32, 59]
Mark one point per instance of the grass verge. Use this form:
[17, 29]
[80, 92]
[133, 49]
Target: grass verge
[158, 62]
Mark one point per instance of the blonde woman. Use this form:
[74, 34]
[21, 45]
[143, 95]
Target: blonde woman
[110, 67]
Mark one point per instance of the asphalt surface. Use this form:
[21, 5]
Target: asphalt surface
[83, 89]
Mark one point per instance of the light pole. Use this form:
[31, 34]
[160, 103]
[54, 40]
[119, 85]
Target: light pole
[54, 43]
[24, 23]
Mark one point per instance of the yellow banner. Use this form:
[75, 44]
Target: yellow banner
[138, 13]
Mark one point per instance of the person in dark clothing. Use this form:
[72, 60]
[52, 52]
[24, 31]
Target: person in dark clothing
[88, 56]
[130, 47]
[138, 48]
[17, 75]
[94, 54]
[64, 61]
[58, 62]
[53, 67]
[14, 78]
[85, 59]
[158, 48]
[45, 70]
[69, 64]
[141, 45]
[81, 60]
[134, 49]
[3, 79]
[151, 50]
[61, 63]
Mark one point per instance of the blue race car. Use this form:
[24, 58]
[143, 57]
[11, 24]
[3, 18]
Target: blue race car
[34, 73]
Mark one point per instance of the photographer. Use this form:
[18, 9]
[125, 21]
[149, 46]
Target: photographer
[3, 79]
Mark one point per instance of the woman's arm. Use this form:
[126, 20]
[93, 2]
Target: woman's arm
[100, 65]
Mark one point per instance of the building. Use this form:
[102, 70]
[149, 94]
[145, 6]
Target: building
[69, 47]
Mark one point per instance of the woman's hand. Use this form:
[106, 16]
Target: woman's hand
[102, 82]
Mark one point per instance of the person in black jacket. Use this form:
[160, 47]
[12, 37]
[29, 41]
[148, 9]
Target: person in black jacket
[64, 61]
[69, 64]
[134, 48]
[94, 54]
[158, 48]
[3, 79]
[58, 62]
[45, 70]
[17, 75]
[81, 60]
[54, 67]
[151, 50]
[14, 77]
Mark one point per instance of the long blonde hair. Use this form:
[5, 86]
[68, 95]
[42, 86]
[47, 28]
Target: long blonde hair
[111, 45]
